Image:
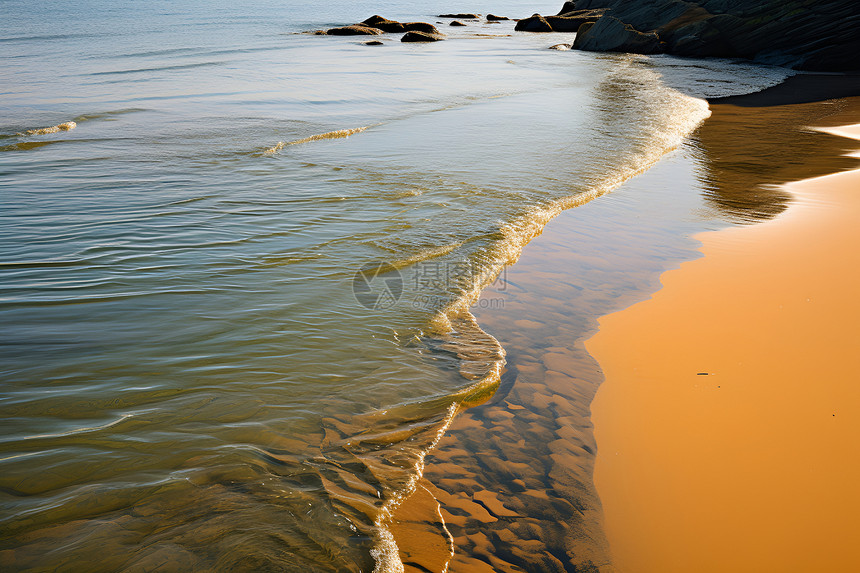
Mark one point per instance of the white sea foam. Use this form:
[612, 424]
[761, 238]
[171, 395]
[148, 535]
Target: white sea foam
[339, 134]
[67, 126]
[481, 355]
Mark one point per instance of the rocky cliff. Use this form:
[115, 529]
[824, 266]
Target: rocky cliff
[819, 35]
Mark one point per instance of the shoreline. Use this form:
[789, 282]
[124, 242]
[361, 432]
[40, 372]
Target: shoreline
[490, 494]
[725, 423]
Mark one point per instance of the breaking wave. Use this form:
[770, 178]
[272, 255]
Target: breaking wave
[339, 134]
[67, 126]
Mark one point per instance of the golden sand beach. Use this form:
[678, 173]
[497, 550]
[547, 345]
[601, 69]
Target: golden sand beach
[728, 425]
[500, 488]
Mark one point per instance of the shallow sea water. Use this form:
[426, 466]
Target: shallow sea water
[236, 296]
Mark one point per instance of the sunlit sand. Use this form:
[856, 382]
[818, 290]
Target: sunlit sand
[727, 425]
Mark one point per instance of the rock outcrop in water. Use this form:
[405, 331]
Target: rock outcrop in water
[418, 36]
[568, 21]
[355, 30]
[376, 25]
[536, 23]
[384, 24]
[804, 34]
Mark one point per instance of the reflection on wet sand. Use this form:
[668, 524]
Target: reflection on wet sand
[509, 488]
[749, 152]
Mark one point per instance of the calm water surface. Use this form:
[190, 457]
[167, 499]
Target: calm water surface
[192, 372]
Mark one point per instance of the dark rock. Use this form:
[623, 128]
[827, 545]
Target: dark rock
[373, 43]
[355, 30]
[804, 34]
[384, 24]
[567, 7]
[610, 34]
[700, 38]
[319, 33]
[421, 27]
[494, 18]
[536, 23]
[463, 16]
[572, 21]
[456, 23]
[421, 37]
[583, 30]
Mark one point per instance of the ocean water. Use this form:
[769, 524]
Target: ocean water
[237, 260]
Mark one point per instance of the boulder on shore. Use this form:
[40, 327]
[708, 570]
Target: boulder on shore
[610, 34]
[536, 23]
[354, 30]
[494, 18]
[456, 23]
[421, 37]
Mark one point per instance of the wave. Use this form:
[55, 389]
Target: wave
[481, 357]
[107, 114]
[339, 134]
[157, 69]
[67, 126]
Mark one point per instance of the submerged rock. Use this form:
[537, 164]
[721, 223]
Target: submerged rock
[536, 23]
[494, 18]
[373, 43]
[421, 37]
[610, 34]
[463, 16]
[456, 23]
[561, 47]
[354, 30]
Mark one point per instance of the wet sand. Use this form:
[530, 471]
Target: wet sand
[509, 487]
[728, 423]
